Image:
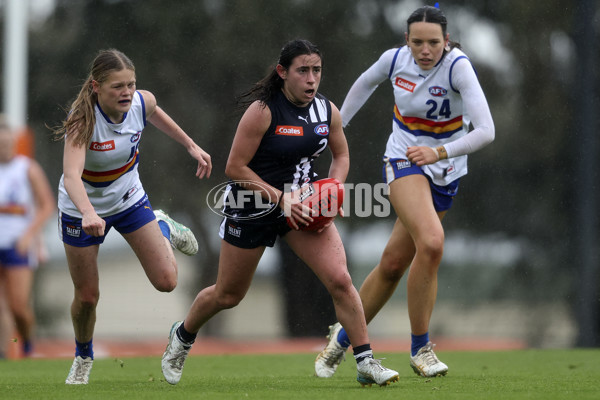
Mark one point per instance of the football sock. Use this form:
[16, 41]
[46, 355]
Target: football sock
[362, 352]
[185, 336]
[418, 341]
[343, 338]
[164, 228]
[27, 348]
[84, 350]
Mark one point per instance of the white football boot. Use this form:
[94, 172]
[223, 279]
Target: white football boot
[182, 238]
[426, 363]
[371, 371]
[330, 358]
[79, 373]
[174, 356]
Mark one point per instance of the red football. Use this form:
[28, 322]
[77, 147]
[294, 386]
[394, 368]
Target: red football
[324, 196]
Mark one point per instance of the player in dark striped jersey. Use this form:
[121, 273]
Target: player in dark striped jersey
[286, 126]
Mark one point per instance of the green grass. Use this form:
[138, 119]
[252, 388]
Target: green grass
[530, 374]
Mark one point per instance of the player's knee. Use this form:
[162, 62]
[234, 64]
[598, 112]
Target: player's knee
[229, 300]
[87, 298]
[86, 305]
[340, 283]
[394, 264]
[432, 248]
[166, 285]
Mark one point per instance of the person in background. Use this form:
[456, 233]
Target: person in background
[100, 188]
[286, 126]
[26, 204]
[437, 95]
[6, 325]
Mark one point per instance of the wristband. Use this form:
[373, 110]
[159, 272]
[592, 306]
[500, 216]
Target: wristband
[442, 153]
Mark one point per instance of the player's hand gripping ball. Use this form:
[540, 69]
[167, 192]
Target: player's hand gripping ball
[324, 197]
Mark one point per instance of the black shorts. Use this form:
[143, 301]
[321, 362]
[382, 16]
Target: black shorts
[253, 233]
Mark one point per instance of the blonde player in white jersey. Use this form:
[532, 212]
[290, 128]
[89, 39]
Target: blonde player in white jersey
[100, 189]
[26, 203]
[437, 97]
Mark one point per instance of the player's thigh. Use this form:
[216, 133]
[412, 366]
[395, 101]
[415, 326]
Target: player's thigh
[152, 249]
[412, 201]
[323, 252]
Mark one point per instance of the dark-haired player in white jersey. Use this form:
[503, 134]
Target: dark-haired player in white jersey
[100, 189]
[285, 127]
[437, 96]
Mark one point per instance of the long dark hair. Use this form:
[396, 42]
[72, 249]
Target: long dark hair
[266, 88]
[433, 15]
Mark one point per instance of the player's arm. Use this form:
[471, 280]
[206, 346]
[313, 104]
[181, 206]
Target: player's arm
[464, 79]
[338, 145]
[161, 120]
[73, 162]
[44, 205]
[340, 163]
[365, 85]
[251, 129]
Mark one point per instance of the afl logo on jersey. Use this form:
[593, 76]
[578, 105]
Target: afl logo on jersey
[437, 91]
[287, 130]
[135, 137]
[322, 130]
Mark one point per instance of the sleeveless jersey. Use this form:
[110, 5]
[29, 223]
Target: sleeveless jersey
[428, 110]
[110, 174]
[17, 203]
[295, 138]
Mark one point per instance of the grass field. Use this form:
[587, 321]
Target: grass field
[529, 374]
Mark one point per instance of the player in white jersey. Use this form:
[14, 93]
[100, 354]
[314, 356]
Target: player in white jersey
[26, 203]
[100, 189]
[437, 96]
[110, 173]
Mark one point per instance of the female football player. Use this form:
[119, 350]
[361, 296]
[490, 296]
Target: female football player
[286, 126]
[100, 189]
[437, 95]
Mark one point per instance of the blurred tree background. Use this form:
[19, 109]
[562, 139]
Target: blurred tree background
[524, 189]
